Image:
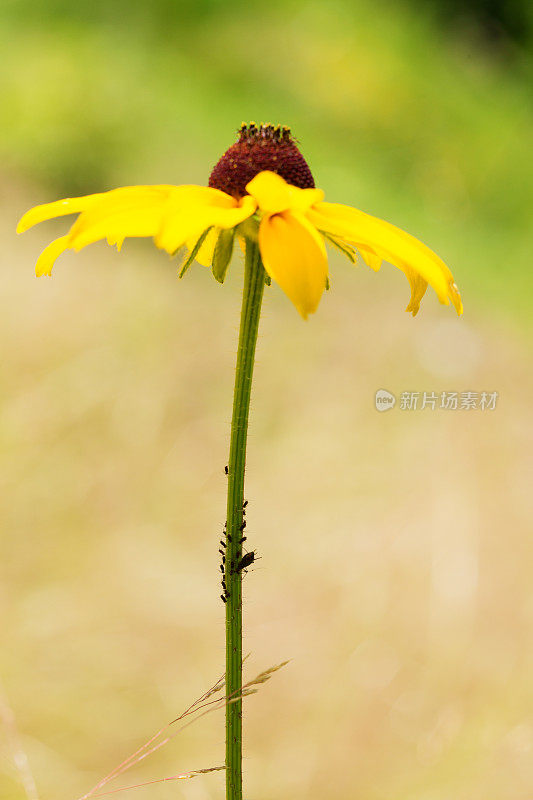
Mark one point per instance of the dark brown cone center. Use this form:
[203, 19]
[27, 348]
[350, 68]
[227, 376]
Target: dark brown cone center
[264, 148]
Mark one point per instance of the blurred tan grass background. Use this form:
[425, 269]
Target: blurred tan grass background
[396, 564]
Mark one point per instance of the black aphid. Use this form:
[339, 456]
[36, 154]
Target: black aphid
[246, 560]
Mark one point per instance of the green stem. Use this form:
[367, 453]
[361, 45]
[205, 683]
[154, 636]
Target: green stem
[254, 283]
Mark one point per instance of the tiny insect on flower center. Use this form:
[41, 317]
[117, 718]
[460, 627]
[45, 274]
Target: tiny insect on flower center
[260, 148]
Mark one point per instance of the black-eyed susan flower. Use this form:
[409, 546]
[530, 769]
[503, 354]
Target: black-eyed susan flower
[261, 189]
[262, 193]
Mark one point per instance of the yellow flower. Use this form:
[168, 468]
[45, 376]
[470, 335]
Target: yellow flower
[261, 187]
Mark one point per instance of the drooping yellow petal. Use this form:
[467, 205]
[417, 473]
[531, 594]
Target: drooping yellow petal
[117, 226]
[48, 257]
[370, 258]
[455, 297]
[100, 202]
[395, 245]
[418, 290]
[177, 229]
[130, 211]
[184, 223]
[294, 256]
[121, 213]
[59, 208]
[171, 214]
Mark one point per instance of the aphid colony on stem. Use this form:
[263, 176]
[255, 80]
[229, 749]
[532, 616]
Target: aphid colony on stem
[244, 561]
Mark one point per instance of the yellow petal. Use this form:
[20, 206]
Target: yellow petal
[113, 208]
[192, 195]
[229, 218]
[455, 296]
[294, 255]
[184, 223]
[59, 208]
[418, 290]
[117, 226]
[47, 259]
[74, 205]
[171, 214]
[370, 258]
[274, 194]
[177, 229]
[302, 199]
[270, 191]
[395, 245]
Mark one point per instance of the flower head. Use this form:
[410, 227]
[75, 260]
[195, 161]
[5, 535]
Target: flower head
[258, 149]
[261, 188]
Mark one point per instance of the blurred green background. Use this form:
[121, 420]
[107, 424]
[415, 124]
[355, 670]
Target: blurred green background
[395, 567]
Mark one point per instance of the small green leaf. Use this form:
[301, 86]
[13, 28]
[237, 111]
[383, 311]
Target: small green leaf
[223, 253]
[192, 255]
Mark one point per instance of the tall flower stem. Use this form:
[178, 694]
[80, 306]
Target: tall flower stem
[254, 283]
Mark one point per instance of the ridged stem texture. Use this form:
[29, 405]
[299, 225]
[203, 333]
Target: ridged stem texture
[254, 283]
